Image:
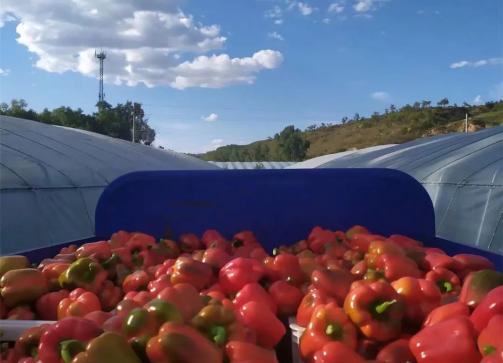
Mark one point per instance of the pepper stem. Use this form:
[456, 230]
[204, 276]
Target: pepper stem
[334, 331]
[488, 349]
[447, 286]
[70, 348]
[382, 307]
[219, 334]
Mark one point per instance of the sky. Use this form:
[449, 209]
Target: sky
[212, 73]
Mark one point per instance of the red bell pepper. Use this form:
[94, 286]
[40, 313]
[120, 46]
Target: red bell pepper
[254, 292]
[328, 323]
[319, 238]
[216, 258]
[355, 230]
[268, 327]
[491, 305]
[309, 302]
[337, 352]
[469, 263]
[490, 339]
[361, 241]
[125, 306]
[286, 296]
[78, 303]
[380, 247]
[405, 242]
[27, 343]
[182, 343]
[21, 312]
[395, 267]
[98, 317]
[238, 272]
[109, 295]
[159, 284]
[451, 340]
[440, 259]
[139, 242]
[52, 272]
[447, 281]
[211, 236]
[65, 339]
[188, 270]
[287, 268]
[189, 242]
[185, 297]
[478, 284]
[420, 296]
[493, 358]
[47, 305]
[376, 309]
[137, 281]
[243, 352]
[396, 352]
[141, 297]
[119, 239]
[335, 283]
[446, 312]
[98, 250]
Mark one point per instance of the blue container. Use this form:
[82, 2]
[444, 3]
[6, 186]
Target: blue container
[280, 206]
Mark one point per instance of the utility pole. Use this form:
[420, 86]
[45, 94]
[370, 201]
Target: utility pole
[134, 114]
[466, 122]
[101, 57]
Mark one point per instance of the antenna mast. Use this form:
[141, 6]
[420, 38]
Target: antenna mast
[101, 56]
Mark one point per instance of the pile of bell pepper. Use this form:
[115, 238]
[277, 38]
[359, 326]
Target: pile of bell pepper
[358, 296]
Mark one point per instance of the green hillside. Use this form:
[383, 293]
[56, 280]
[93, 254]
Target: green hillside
[392, 127]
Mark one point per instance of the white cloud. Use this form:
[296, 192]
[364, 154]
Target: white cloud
[275, 35]
[305, 9]
[217, 141]
[151, 42]
[363, 6]
[380, 95]
[218, 71]
[336, 8]
[326, 20]
[212, 117]
[476, 64]
[278, 21]
[477, 100]
[274, 13]
[4, 72]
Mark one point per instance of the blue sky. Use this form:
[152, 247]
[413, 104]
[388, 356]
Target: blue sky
[217, 72]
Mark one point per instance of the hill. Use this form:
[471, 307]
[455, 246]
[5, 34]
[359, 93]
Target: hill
[394, 126]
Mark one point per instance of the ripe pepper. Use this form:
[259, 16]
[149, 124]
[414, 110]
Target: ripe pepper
[254, 292]
[8, 263]
[21, 312]
[100, 250]
[119, 239]
[335, 283]
[242, 352]
[78, 303]
[189, 242]
[268, 327]
[164, 268]
[491, 304]
[159, 284]
[211, 236]
[451, 340]
[286, 297]
[27, 343]
[22, 286]
[447, 281]
[319, 238]
[137, 281]
[63, 340]
[496, 357]
[287, 268]
[380, 247]
[309, 302]
[396, 352]
[214, 321]
[52, 272]
[188, 270]
[141, 297]
[490, 339]
[478, 284]
[182, 343]
[47, 304]
[99, 317]
[376, 309]
[109, 295]
[396, 266]
[108, 347]
[238, 272]
[420, 296]
[85, 273]
[446, 312]
[328, 323]
[185, 297]
[469, 263]
[139, 242]
[440, 259]
[337, 352]
[355, 230]
[216, 258]
[361, 241]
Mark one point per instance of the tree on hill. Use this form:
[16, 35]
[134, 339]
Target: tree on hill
[443, 102]
[292, 146]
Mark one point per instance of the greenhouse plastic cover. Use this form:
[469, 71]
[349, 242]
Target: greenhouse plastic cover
[462, 173]
[51, 178]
